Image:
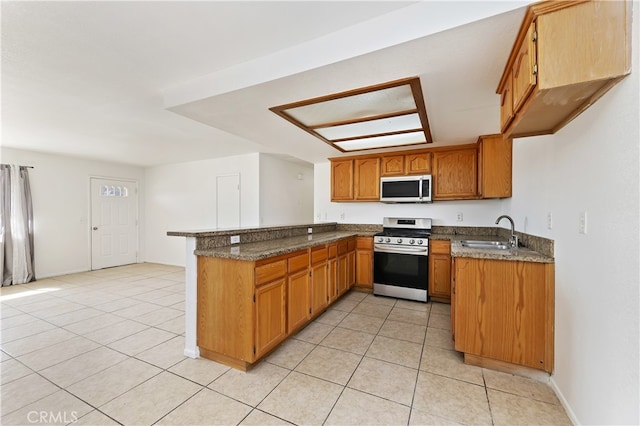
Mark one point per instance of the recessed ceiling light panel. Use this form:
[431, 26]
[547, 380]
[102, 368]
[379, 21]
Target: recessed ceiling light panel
[382, 141]
[388, 114]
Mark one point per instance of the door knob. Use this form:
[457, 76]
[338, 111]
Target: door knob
[95, 228]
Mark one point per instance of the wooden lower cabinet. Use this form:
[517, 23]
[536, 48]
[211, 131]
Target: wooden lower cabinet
[246, 308]
[332, 272]
[440, 270]
[271, 324]
[298, 299]
[504, 311]
[364, 262]
[346, 265]
[319, 280]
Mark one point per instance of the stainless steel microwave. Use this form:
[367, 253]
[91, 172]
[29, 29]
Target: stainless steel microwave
[405, 189]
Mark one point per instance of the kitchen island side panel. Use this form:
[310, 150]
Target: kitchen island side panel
[225, 307]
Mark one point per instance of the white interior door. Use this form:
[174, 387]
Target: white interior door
[228, 201]
[114, 223]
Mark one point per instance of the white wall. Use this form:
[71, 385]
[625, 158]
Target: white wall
[182, 197]
[592, 166]
[61, 207]
[474, 212]
[286, 191]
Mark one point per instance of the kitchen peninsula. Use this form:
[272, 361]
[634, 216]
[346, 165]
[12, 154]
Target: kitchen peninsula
[244, 299]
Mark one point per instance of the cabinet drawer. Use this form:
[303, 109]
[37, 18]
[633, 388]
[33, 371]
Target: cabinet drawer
[333, 251]
[271, 271]
[318, 255]
[342, 247]
[439, 247]
[364, 243]
[298, 261]
[351, 244]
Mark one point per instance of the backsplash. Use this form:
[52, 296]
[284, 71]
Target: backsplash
[210, 240]
[542, 245]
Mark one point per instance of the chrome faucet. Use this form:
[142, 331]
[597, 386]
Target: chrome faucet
[513, 240]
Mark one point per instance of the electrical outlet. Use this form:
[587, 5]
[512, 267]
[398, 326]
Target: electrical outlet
[459, 217]
[549, 221]
[235, 239]
[582, 225]
[342, 216]
[309, 230]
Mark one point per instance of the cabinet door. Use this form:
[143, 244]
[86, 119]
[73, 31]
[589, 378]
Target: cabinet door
[367, 179]
[271, 326]
[319, 288]
[501, 311]
[506, 103]
[342, 180]
[523, 71]
[351, 269]
[297, 300]
[364, 268]
[455, 174]
[392, 166]
[342, 275]
[494, 166]
[440, 276]
[418, 164]
[332, 279]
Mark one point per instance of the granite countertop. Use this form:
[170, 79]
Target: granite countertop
[520, 254]
[270, 248]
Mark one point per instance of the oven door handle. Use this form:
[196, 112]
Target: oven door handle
[395, 249]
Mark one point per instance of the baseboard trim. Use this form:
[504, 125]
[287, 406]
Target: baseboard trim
[564, 402]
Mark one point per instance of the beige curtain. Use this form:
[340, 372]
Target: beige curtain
[16, 226]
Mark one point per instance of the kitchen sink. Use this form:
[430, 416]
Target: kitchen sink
[480, 244]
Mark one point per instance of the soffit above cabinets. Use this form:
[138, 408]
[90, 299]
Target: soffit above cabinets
[385, 115]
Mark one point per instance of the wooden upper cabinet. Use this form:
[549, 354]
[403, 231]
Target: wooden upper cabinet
[565, 57]
[355, 180]
[455, 174]
[461, 172]
[418, 164]
[342, 180]
[392, 165]
[494, 166]
[409, 164]
[367, 179]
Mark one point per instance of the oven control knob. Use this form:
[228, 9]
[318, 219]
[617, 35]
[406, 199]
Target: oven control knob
[412, 241]
[399, 240]
[388, 240]
[380, 239]
[419, 241]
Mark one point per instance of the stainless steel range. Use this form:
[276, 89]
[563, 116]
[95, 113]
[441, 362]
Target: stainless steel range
[401, 258]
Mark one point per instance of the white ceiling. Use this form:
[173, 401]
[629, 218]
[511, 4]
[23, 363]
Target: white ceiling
[151, 83]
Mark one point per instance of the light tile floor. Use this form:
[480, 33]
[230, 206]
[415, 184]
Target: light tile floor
[106, 347]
